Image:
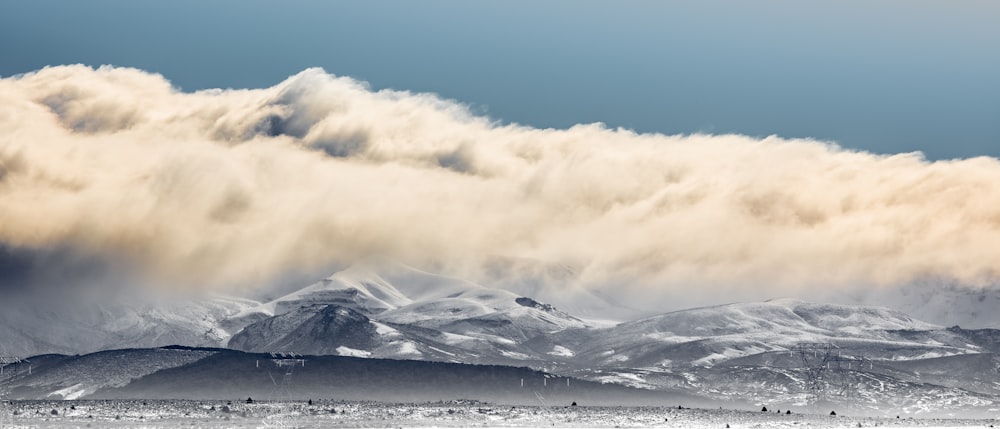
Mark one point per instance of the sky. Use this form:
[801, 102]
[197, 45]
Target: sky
[732, 150]
[886, 77]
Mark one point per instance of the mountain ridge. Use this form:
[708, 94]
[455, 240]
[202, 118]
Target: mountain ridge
[782, 348]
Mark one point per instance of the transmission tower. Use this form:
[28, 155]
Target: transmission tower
[816, 362]
[8, 369]
[282, 390]
[847, 366]
[286, 364]
[827, 370]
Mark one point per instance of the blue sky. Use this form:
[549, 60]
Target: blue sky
[886, 76]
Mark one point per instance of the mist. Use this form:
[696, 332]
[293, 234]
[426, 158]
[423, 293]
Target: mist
[244, 187]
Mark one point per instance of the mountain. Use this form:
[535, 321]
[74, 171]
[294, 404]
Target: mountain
[782, 351]
[79, 376]
[404, 313]
[791, 352]
[554, 284]
[939, 302]
[77, 321]
[322, 329]
[711, 335]
[205, 373]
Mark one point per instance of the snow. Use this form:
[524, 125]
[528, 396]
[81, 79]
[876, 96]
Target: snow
[442, 351]
[600, 323]
[75, 391]
[670, 337]
[407, 348]
[438, 311]
[726, 354]
[931, 355]
[494, 338]
[624, 378]
[558, 319]
[514, 355]
[456, 339]
[418, 285]
[347, 351]
[323, 413]
[561, 351]
[384, 330]
[618, 358]
[374, 291]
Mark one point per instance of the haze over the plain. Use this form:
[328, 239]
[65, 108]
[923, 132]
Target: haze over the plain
[244, 187]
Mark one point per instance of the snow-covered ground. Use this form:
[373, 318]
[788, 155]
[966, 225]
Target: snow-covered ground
[325, 413]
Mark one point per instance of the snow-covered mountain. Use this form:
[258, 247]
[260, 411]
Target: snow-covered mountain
[403, 313]
[75, 322]
[792, 352]
[779, 351]
[938, 302]
[711, 335]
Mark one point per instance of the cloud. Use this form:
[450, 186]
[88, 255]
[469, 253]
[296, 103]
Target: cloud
[240, 187]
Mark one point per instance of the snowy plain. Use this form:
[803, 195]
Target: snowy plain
[327, 413]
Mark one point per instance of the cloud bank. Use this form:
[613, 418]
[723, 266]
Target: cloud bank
[239, 187]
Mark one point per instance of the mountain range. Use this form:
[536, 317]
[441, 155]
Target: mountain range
[781, 351]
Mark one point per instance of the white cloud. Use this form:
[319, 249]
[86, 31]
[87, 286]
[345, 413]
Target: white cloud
[242, 186]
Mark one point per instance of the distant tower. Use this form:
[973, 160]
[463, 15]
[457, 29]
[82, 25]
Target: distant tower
[282, 390]
[10, 361]
[816, 359]
[9, 366]
[829, 370]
